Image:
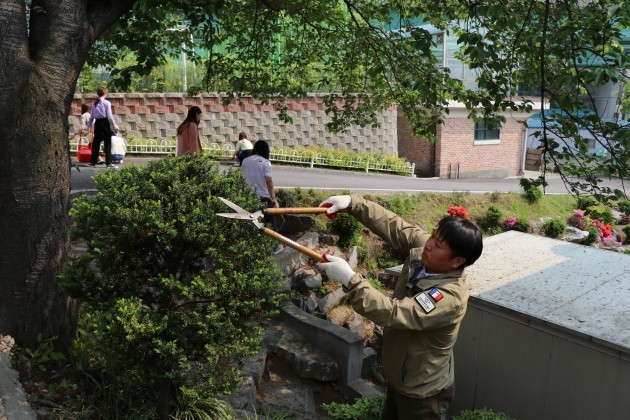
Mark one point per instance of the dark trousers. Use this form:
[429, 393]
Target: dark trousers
[270, 219]
[242, 154]
[102, 133]
[400, 407]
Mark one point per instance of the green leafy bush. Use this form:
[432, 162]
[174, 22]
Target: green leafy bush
[44, 353]
[553, 228]
[584, 202]
[593, 235]
[169, 290]
[365, 408]
[602, 213]
[626, 230]
[531, 192]
[481, 414]
[624, 206]
[348, 228]
[491, 221]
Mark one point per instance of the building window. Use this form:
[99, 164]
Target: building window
[486, 130]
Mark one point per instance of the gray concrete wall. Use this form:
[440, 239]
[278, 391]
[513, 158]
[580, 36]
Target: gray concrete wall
[530, 370]
[546, 334]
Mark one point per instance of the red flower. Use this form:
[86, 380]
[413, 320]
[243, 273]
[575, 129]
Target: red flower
[458, 211]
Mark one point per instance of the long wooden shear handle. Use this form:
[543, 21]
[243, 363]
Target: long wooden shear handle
[298, 210]
[292, 244]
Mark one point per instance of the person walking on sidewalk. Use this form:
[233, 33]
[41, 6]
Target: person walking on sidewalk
[421, 319]
[103, 124]
[188, 140]
[257, 171]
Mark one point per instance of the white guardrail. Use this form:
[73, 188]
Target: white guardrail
[167, 147]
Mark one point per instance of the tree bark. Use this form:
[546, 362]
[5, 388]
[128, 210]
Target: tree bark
[39, 67]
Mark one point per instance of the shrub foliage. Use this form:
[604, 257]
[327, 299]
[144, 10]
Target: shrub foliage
[169, 289]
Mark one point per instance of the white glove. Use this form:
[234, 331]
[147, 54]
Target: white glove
[337, 269]
[336, 203]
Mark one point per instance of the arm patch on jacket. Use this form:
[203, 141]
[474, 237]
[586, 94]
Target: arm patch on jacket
[425, 302]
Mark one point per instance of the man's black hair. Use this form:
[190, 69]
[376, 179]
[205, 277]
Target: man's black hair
[261, 148]
[462, 236]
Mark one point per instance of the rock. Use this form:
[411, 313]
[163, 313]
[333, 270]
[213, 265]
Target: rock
[369, 362]
[306, 279]
[6, 344]
[254, 366]
[288, 259]
[244, 398]
[311, 303]
[574, 235]
[621, 235]
[357, 325]
[294, 223]
[331, 300]
[307, 360]
[353, 258]
[329, 239]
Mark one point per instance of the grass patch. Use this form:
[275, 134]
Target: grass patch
[426, 209]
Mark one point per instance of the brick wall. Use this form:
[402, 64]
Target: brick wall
[415, 149]
[157, 115]
[456, 145]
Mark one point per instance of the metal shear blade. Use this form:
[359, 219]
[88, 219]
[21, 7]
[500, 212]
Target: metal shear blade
[233, 206]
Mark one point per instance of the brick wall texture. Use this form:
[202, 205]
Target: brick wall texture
[456, 147]
[157, 115]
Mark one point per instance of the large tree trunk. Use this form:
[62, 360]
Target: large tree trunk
[39, 67]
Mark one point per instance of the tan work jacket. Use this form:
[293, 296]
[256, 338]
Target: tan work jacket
[418, 339]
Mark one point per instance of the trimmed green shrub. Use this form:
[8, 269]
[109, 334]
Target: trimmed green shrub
[626, 230]
[624, 206]
[531, 192]
[584, 202]
[593, 235]
[522, 226]
[553, 228]
[491, 221]
[481, 414]
[348, 228]
[169, 290]
[365, 408]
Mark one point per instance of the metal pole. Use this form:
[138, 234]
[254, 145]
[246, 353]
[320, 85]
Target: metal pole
[184, 68]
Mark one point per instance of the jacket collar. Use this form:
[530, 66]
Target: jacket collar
[426, 283]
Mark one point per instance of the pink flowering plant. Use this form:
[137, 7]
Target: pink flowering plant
[458, 211]
[509, 223]
[579, 220]
[606, 233]
[624, 219]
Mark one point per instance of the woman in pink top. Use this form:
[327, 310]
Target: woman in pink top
[188, 133]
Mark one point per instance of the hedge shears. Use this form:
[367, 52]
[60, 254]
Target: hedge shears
[258, 219]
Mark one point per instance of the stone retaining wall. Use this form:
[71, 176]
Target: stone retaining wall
[157, 115]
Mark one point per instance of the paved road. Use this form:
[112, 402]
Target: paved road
[326, 179]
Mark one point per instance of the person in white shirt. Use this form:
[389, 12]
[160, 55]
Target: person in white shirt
[257, 171]
[243, 149]
[119, 149]
[103, 125]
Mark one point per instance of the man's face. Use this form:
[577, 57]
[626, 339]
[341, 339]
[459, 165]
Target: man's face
[438, 257]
